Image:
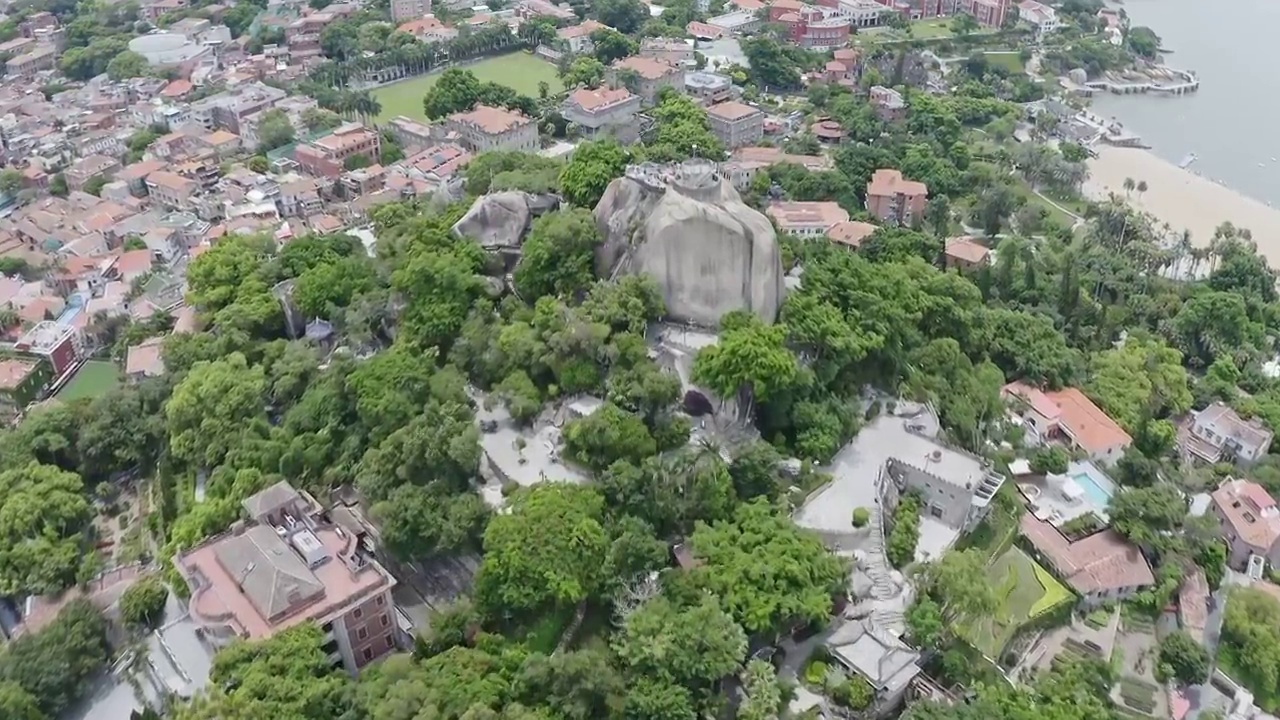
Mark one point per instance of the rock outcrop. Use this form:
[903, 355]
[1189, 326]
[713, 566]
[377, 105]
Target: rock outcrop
[497, 220]
[689, 229]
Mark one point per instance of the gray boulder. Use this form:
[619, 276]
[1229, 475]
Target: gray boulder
[498, 220]
[689, 229]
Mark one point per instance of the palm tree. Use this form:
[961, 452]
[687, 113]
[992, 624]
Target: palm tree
[1142, 188]
[1129, 185]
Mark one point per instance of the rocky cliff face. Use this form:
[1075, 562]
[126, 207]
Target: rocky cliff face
[689, 229]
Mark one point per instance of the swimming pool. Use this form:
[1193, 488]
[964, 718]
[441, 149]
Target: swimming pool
[1098, 490]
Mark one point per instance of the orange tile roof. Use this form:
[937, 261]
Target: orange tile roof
[967, 249]
[647, 68]
[1086, 423]
[1098, 563]
[807, 214]
[731, 111]
[490, 119]
[1034, 397]
[890, 182]
[851, 233]
[177, 89]
[1250, 512]
[589, 99]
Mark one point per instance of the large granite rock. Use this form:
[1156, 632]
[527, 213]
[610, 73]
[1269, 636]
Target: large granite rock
[689, 229]
[497, 220]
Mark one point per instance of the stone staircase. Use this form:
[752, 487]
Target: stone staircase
[882, 585]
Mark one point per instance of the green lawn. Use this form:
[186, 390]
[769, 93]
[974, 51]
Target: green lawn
[519, 71]
[94, 378]
[1025, 590]
[1011, 61]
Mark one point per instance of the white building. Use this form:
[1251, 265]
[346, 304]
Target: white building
[1040, 16]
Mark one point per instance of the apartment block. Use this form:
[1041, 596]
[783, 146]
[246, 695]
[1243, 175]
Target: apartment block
[402, 10]
[28, 64]
[736, 124]
[989, 13]
[892, 198]
[649, 77]
[603, 112]
[889, 103]
[326, 156]
[171, 190]
[290, 564]
[226, 110]
[490, 128]
[708, 87]
[85, 169]
[577, 38]
[413, 135]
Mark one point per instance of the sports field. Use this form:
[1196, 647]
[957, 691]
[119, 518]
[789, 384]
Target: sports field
[1025, 590]
[519, 71]
[94, 378]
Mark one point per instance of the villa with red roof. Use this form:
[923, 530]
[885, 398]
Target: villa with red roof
[290, 564]
[1102, 567]
[1248, 520]
[1070, 417]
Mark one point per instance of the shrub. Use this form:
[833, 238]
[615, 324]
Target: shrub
[815, 673]
[861, 516]
[853, 693]
[900, 546]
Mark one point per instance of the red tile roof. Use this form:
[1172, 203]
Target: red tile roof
[1098, 563]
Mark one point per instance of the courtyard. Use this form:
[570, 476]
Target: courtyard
[519, 71]
[1024, 591]
[93, 379]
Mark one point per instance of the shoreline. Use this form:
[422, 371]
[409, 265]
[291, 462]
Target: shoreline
[1182, 198]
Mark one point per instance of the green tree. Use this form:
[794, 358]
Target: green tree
[143, 603]
[958, 580]
[1050, 460]
[274, 130]
[11, 181]
[750, 357]
[545, 553]
[607, 435]
[286, 676]
[127, 64]
[1187, 658]
[763, 699]
[593, 166]
[625, 16]
[1141, 378]
[418, 521]
[767, 572]
[57, 665]
[316, 119]
[43, 516]
[610, 45]
[18, 704]
[58, 185]
[557, 257]
[212, 410]
[584, 71]
[693, 647]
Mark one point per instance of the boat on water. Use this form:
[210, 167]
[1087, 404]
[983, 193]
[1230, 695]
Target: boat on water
[1186, 161]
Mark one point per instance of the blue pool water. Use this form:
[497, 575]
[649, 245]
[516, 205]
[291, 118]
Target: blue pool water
[1098, 493]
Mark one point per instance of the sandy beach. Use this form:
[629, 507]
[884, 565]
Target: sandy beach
[1182, 198]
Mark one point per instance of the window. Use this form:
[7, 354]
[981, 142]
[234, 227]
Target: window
[368, 654]
[385, 620]
[382, 600]
[362, 633]
[390, 641]
[357, 613]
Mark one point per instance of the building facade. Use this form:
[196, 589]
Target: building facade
[648, 76]
[604, 112]
[288, 565]
[1218, 433]
[893, 199]
[736, 124]
[489, 128]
